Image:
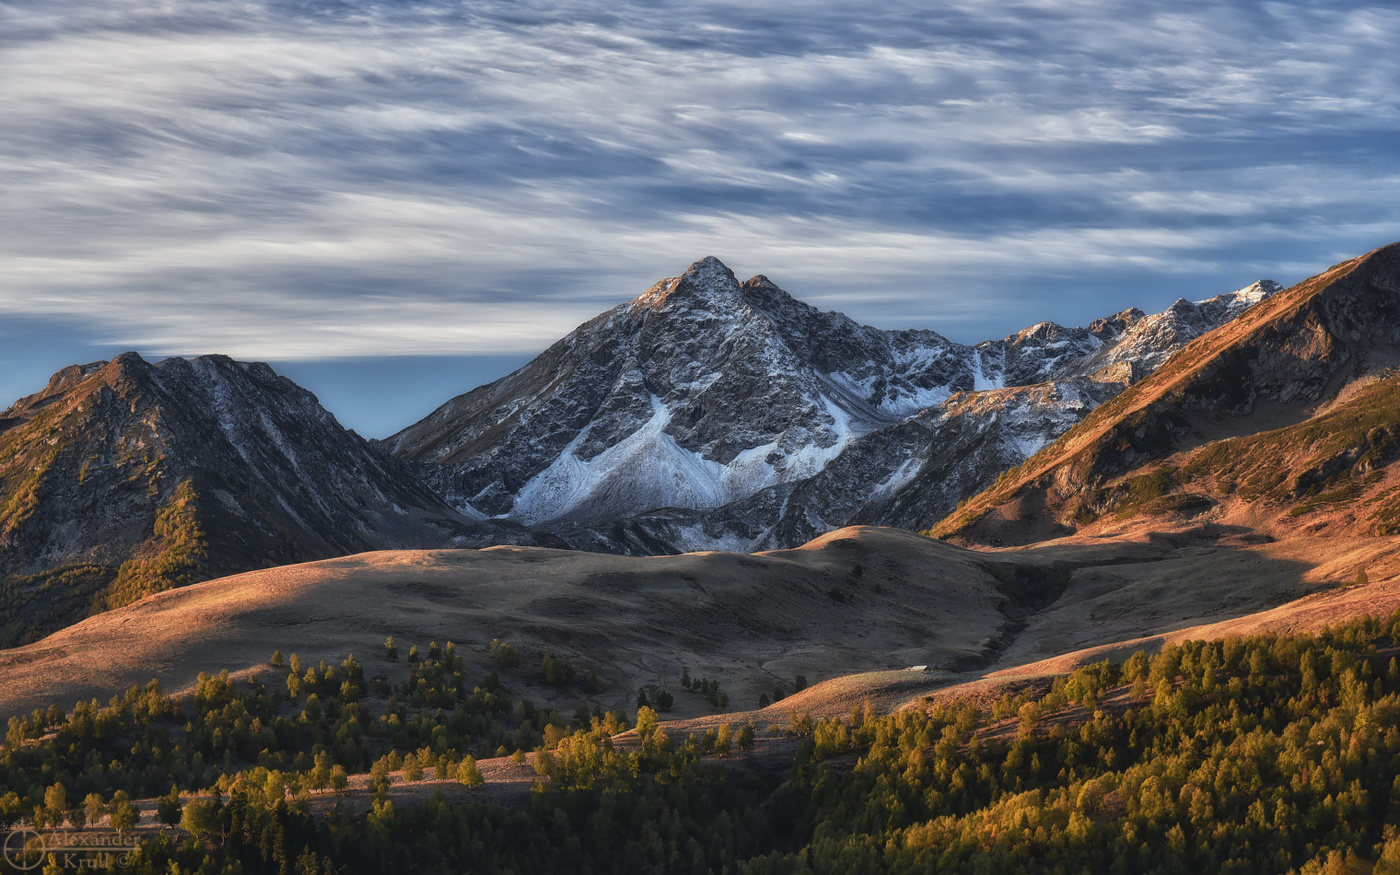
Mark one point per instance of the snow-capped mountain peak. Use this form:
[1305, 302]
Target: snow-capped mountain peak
[704, 391]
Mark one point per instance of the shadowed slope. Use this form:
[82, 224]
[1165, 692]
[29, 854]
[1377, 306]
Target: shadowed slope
[854, 601]
[1378, 597]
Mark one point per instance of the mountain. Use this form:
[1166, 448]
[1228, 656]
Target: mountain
[705, 414]
[1284, 420]
[125, 477]
[713, 414]
[696, 394]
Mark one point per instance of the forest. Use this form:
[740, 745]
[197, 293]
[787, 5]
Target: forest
[1269, 754]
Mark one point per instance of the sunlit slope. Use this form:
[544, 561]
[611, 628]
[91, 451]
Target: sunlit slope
[124, 478]
[1301, 383]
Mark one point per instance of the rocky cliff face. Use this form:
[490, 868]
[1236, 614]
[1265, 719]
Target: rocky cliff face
[709, 413]
[1278, 415]
[125, 477]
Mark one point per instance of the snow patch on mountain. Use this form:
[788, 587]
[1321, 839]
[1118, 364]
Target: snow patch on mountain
[648, 468]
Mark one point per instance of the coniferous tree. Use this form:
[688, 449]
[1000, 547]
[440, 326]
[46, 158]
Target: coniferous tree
[168, 807]
[468, 775]
[646, 721]
[55, 806]
[124, 814]
[200, 817]
[94, 808]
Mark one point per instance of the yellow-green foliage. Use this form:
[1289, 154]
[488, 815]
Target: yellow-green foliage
[582, 758]
[1267, 754]
[23, 497]
[1324, 462]
[179, 550]
[35, 456]
[33, 605]
[504, 653]
[1272, 753]
[1328, 460]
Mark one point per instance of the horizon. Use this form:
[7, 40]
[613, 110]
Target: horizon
[355, 389]
[446, 190]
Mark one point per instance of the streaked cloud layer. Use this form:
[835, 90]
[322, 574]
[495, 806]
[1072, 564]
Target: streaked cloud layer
[300, 180]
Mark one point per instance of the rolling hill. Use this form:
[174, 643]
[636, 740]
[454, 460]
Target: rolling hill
[854, 601]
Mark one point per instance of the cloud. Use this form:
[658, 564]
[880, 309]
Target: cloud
[305, 179]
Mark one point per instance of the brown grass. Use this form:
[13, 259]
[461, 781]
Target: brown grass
[749, 621]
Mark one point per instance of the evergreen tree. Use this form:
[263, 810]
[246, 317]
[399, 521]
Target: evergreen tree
[746, 737]
[646, 721]
[94, 808]
[168, 807]
[124, 813]
[200, 817]
[468, 775]
[55, 806]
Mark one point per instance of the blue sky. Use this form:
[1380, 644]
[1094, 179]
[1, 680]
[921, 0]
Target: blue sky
[395, 201]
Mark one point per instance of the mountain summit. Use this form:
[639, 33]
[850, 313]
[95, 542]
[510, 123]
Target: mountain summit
[699, 392]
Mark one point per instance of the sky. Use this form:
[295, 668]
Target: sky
[394, 202]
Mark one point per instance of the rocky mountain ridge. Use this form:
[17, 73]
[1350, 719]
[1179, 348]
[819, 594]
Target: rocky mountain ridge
[709, 413]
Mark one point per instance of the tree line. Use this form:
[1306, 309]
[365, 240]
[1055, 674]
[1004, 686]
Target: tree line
[1268, 754]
